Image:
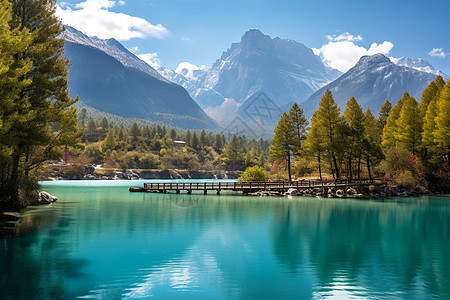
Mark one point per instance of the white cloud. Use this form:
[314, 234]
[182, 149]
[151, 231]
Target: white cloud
[344, 37]
[437, 52]
[94, 18]
[187, 69]
[151, 59]
[342, 53]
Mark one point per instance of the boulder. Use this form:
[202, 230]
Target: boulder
[46, 198]
[339, 193]
[351, 191]
[292, 192]
[391, 189]
[383, 194]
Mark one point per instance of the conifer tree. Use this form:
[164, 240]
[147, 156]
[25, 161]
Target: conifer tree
[329, 122]
[284, 142]
[314, 143]
[45, 119]
[218, 142]
[431, 92]
[234, 151]
[354, 117]
[204, 139]
[135, 131]
[300, 123]
[390, 129]
[383, 115]
[195, 143]
[188, 138]
[442, 129]
[104, 123]
[109, 142]
[409, 124]
[371, 141]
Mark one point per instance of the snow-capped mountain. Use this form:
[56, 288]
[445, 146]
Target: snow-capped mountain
[419, 64]
[109, 78]
[372, 80]
[111, 47]
[284, 70]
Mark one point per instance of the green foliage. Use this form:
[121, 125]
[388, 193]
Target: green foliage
[110, 142]
[409, 125]
[383, 115]
[284, 142]
[255, 173]
[41, 119]
[403, 168]
[391, 127]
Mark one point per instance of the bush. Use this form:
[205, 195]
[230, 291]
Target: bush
[255, 173]
[403, 169]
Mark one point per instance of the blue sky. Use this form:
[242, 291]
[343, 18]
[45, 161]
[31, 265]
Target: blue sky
[168, 32]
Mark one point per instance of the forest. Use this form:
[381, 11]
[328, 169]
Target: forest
[407, 144]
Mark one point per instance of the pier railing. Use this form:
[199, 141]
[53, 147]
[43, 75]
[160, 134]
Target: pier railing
[264, 185]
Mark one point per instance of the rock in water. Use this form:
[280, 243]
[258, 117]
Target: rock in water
[46, 198]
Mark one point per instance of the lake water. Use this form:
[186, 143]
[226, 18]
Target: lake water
[101, 241]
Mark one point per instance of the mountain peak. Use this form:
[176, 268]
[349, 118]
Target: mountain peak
[254, 35]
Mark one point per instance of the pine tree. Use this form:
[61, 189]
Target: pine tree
[431, 92]
[173, 134]
[383, 115]
[135, 131]
[354, 117]
[12, 84]
[300, 123]
[91, 126]
[109, 142]
[204, 139]
[82, 117]
[442, 129]
[218, 142]
[390, 129]
[46, 119]
[188, 138]
[284, 142]
[371, 141]
[314, 143]
[409, 126]
[195, 143]
[104, 123]
[329, 121]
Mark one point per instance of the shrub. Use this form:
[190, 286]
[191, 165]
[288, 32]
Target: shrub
[255, 173]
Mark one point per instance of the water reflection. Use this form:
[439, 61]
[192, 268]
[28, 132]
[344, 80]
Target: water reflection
[109, 243]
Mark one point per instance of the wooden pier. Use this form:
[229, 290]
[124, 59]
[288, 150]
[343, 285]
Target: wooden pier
[251, 187]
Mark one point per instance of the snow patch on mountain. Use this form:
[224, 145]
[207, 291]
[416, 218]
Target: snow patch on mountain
[419, 64]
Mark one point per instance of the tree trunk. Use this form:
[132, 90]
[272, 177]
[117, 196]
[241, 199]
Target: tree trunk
[350, 166]
[359, 167]
[336, 167]
[320, 168]
[13, 185]
[289, 165]
[368, 167]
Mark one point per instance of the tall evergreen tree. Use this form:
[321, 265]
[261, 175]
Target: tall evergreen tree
[409, 124]
[383, 115]
[135, 131]
[45, 120]
[315, 142]
[442, 129]
[329, 121]
[371, 141]
[300, 123]
[431, 92]
[284, 142]
[104, 123]
[391, 127]
[354, 117]
[109, 142]
[195, 143]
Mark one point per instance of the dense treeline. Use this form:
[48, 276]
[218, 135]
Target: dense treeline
[408, 143]
[158, 147]
[36, 117]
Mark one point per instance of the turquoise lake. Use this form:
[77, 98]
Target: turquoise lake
[101, 241]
